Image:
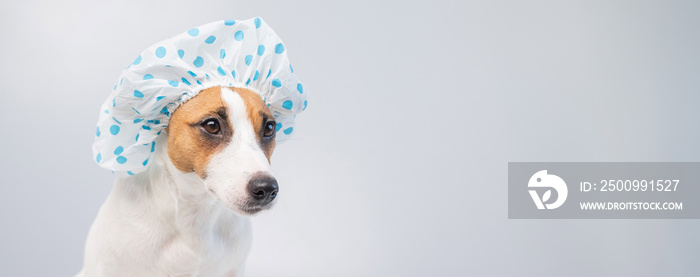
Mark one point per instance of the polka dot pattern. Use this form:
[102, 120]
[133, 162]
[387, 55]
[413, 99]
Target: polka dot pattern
[248, 59]
[114, 130]
[165, 75]
[160, 52]
[257, 22]
[121, 159]
[238, 35]
[279, 49]
[198, 62]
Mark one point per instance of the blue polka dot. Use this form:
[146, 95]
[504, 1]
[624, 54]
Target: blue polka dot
[137, 60]
[288, 130]
[130, 173]
[221, 71]
[198, 62]
[229, 22]
[153, 146]
[121, 160]
[305, 102]
[180, 53]
[138, 120]
[300, 88]
[114, 130]
[145, 162]
[261, 50]
[138, 94]
[199, 82]
[147, 77]
[97, 133]
[276, 82]
[268, 74]
[278, 127]
[255, 77]
[118, 150]
[192, 74]
[173, 83]
[238, 35]
[159, 98]
[247, 82]
[279, 48]
[248, 59]
[222, 54]
[233, 73]
[137, 137]
[193, 32]
[160, 52]
[210, 40]
[99, 157]
[287, 105]
[257, 22]
[290, 68]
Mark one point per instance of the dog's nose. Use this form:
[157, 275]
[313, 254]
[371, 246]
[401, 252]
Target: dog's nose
[263, 187]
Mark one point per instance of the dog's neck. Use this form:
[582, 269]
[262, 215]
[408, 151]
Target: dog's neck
[178, 207]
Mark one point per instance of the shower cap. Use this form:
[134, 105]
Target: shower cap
[246, 54]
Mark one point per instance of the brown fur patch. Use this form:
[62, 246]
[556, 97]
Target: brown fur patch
[190, 147]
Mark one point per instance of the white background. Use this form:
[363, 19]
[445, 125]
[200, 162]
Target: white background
[399, 167]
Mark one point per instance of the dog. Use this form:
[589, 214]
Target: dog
[189, 213]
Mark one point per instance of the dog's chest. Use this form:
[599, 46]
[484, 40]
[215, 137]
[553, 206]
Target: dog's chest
[223, 245]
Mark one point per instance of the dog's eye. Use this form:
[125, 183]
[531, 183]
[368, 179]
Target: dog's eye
[269, 129]
[211, 126]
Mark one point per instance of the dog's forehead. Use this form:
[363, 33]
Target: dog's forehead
[246, 104]
[254, 105]
[206, 101]
[216, 98]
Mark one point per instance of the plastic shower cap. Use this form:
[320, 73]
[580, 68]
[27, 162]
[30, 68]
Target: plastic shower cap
[233, 53]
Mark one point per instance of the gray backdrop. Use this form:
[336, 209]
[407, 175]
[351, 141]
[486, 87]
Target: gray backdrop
[399, 167]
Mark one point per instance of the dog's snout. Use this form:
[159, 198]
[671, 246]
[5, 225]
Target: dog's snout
[263, 187]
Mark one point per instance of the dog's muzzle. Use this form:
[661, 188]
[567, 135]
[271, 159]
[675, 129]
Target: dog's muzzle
[262, 188]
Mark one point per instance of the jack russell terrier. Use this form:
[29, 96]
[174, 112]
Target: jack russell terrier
[187, 214]
[190, 128]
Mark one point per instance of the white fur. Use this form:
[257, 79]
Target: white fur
[164, 222]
